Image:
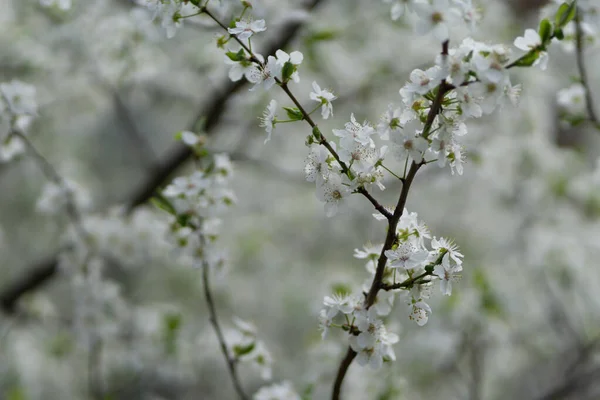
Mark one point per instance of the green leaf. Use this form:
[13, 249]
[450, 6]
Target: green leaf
[321, 36]
[527, 60]
[172, 323]
[316, 133]
[243, 350]
[566, 12]
[294, 114]
[161, 202]
[287, 71]
[545, 31]
[239, 56]
[559, 34]
[15, 393]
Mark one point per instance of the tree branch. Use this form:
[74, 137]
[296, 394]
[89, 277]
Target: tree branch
[231, 363]
[43, 271]
[377, 284]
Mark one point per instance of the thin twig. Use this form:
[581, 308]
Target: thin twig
[52, 175]
[231, 364]
[579, 45]
[305, 116]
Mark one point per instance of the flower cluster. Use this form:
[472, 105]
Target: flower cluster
[243, 346]
[467, 81]
[170, 12]
[18, 108]
[412, 265]
[436, 16]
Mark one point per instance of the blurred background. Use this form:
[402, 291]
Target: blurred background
[522, 323]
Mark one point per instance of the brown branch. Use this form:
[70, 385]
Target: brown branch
[43, 271]
[589, 101]
[377, 284]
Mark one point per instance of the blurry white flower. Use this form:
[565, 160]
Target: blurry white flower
[20, 97]
[245, 29]
[435, 17]
[61, 4]
[277, 391]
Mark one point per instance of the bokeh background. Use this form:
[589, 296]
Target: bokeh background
[523, 323]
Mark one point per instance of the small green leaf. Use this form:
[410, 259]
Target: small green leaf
[321, 36]
[172, 323]
[161, 202]
[293, 113]
[239, 350]
[239, 56]
[559, 34]
[287, 71]
[545, 31]
[566, 12]
[527, 60]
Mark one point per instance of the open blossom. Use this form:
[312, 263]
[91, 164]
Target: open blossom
[337, 303]
[532, 41]
[264, 75]
[334, 193]
[489, 60]
[376, 346]
[407, 256]
[435, 17]
[245, 29]
[389, 122]
[269, 119]
[408, 142]
[420, 83]
[447, 271]
[355, 132]
[325, 97]
[316, 168]
[454, 65]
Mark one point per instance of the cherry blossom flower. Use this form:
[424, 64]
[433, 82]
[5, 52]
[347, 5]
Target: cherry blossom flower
[245, 29]
[407, 256]
[532, 41]
[269, 119]
[325, 97]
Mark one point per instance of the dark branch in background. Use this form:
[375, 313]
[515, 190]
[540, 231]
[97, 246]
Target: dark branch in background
[212, 112]
[589, 102]
[377, 284]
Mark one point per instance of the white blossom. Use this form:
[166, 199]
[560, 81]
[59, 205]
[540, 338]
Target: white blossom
[325, 97]
[245, 29]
